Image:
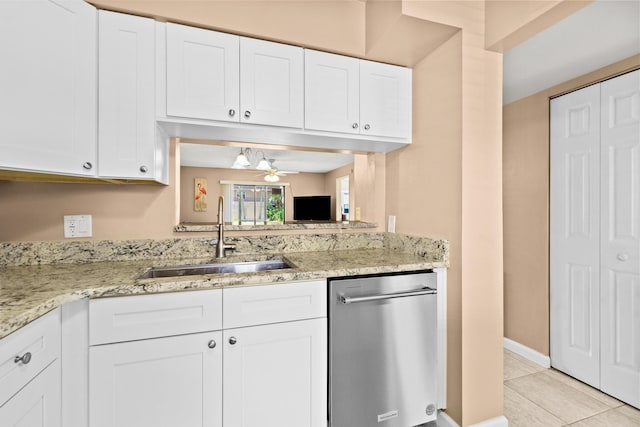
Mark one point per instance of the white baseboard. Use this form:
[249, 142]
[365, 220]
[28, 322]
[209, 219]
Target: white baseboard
[445, 420]
[527, 353]
[500, 421]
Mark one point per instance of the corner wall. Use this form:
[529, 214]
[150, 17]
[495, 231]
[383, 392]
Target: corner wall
[526, 209]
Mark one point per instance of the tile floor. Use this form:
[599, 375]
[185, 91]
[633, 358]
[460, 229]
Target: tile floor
[539, 397]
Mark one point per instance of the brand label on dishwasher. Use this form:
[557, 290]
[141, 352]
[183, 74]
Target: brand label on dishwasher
[387, 416]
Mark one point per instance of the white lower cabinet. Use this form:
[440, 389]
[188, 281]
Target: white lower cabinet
[266, 367]
[173, 381]
[275, 375]
[37, 404]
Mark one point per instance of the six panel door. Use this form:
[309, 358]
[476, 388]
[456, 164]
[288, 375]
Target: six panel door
[575, 234]
[620, 241]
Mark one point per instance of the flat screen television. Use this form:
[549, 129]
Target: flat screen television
[312, 208]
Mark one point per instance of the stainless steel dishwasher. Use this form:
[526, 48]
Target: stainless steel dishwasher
[382, 350]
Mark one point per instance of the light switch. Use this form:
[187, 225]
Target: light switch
[77, 226]
[391, 225]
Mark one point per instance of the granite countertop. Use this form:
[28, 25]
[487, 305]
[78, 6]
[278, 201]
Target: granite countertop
[28, 292]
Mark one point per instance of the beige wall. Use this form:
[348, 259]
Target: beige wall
[33, 211]
[510, 22]
[303, 184]
[526, 209]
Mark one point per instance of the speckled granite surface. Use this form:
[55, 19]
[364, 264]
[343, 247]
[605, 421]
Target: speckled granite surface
[212, 227]
[29, 291]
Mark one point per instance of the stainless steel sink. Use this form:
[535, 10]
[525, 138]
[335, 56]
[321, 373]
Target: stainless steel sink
[215, 268]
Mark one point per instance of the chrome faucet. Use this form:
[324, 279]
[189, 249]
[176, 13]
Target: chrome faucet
[221, 246]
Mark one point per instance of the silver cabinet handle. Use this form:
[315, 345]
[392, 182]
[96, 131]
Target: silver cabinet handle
[355, 126]
[211, 344]
[233, 340]
[622, 257]
[367, 127]
[422, 291]
[144, 169]
[232, 112]
[247, 114]
[25, 358]
[87, 165]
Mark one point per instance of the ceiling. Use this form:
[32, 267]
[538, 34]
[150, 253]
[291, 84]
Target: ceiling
[597, 35]
[601, 33]
[219, 156]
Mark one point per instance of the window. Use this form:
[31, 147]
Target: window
[254, 204]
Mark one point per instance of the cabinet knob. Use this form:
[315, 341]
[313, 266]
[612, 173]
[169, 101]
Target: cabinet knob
[355, 126]
[232, 112]
[25, 358]
[211, 344]
[233, 340]
[247, 114]
[87, 165]
[367, 127]
[144, 169]
[622, 257]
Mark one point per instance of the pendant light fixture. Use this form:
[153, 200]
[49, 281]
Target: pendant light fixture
[241, 161]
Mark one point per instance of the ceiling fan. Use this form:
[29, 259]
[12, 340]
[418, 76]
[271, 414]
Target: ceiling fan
[272, 174]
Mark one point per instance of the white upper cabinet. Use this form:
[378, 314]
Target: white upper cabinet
[127, 140]
[202, 73]
[332, 92]
[271, 83]
[385, 100]
[350, 95]
[48, 82]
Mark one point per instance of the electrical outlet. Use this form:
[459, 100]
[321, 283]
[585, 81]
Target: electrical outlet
[77, 226]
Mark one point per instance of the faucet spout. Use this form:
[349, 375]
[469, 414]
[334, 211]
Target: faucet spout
[221, 246]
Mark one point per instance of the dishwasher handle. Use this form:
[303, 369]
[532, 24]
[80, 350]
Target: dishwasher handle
[422, 291]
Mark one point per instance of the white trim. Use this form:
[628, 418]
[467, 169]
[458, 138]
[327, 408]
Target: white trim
[445, 420]
[500, 421]
[442, 337]
[527, 353]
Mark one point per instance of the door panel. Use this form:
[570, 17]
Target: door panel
[275, 375]
[48, 86]
[202, 73]
[271, 83]
[174, 381]
[575, 234]
[620, 246]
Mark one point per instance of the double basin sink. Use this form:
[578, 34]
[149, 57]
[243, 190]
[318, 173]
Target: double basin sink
[215, 268]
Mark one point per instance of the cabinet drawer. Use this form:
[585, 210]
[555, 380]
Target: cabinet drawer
[41, 340]
[150, 316]
[259, 305]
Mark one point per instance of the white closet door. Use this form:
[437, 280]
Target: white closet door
[575, 234]
[620, 241]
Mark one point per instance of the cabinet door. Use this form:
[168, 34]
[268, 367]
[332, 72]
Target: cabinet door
[126, 87]
[37, 404]
[202, 73]
[48, 85]
[175, 381]
[331, 92]
[620, 238]
[385, 100]
[271, 83]
[276, 375]
[575, 234]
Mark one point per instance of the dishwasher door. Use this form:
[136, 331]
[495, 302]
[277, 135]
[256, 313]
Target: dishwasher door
[382, 350]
